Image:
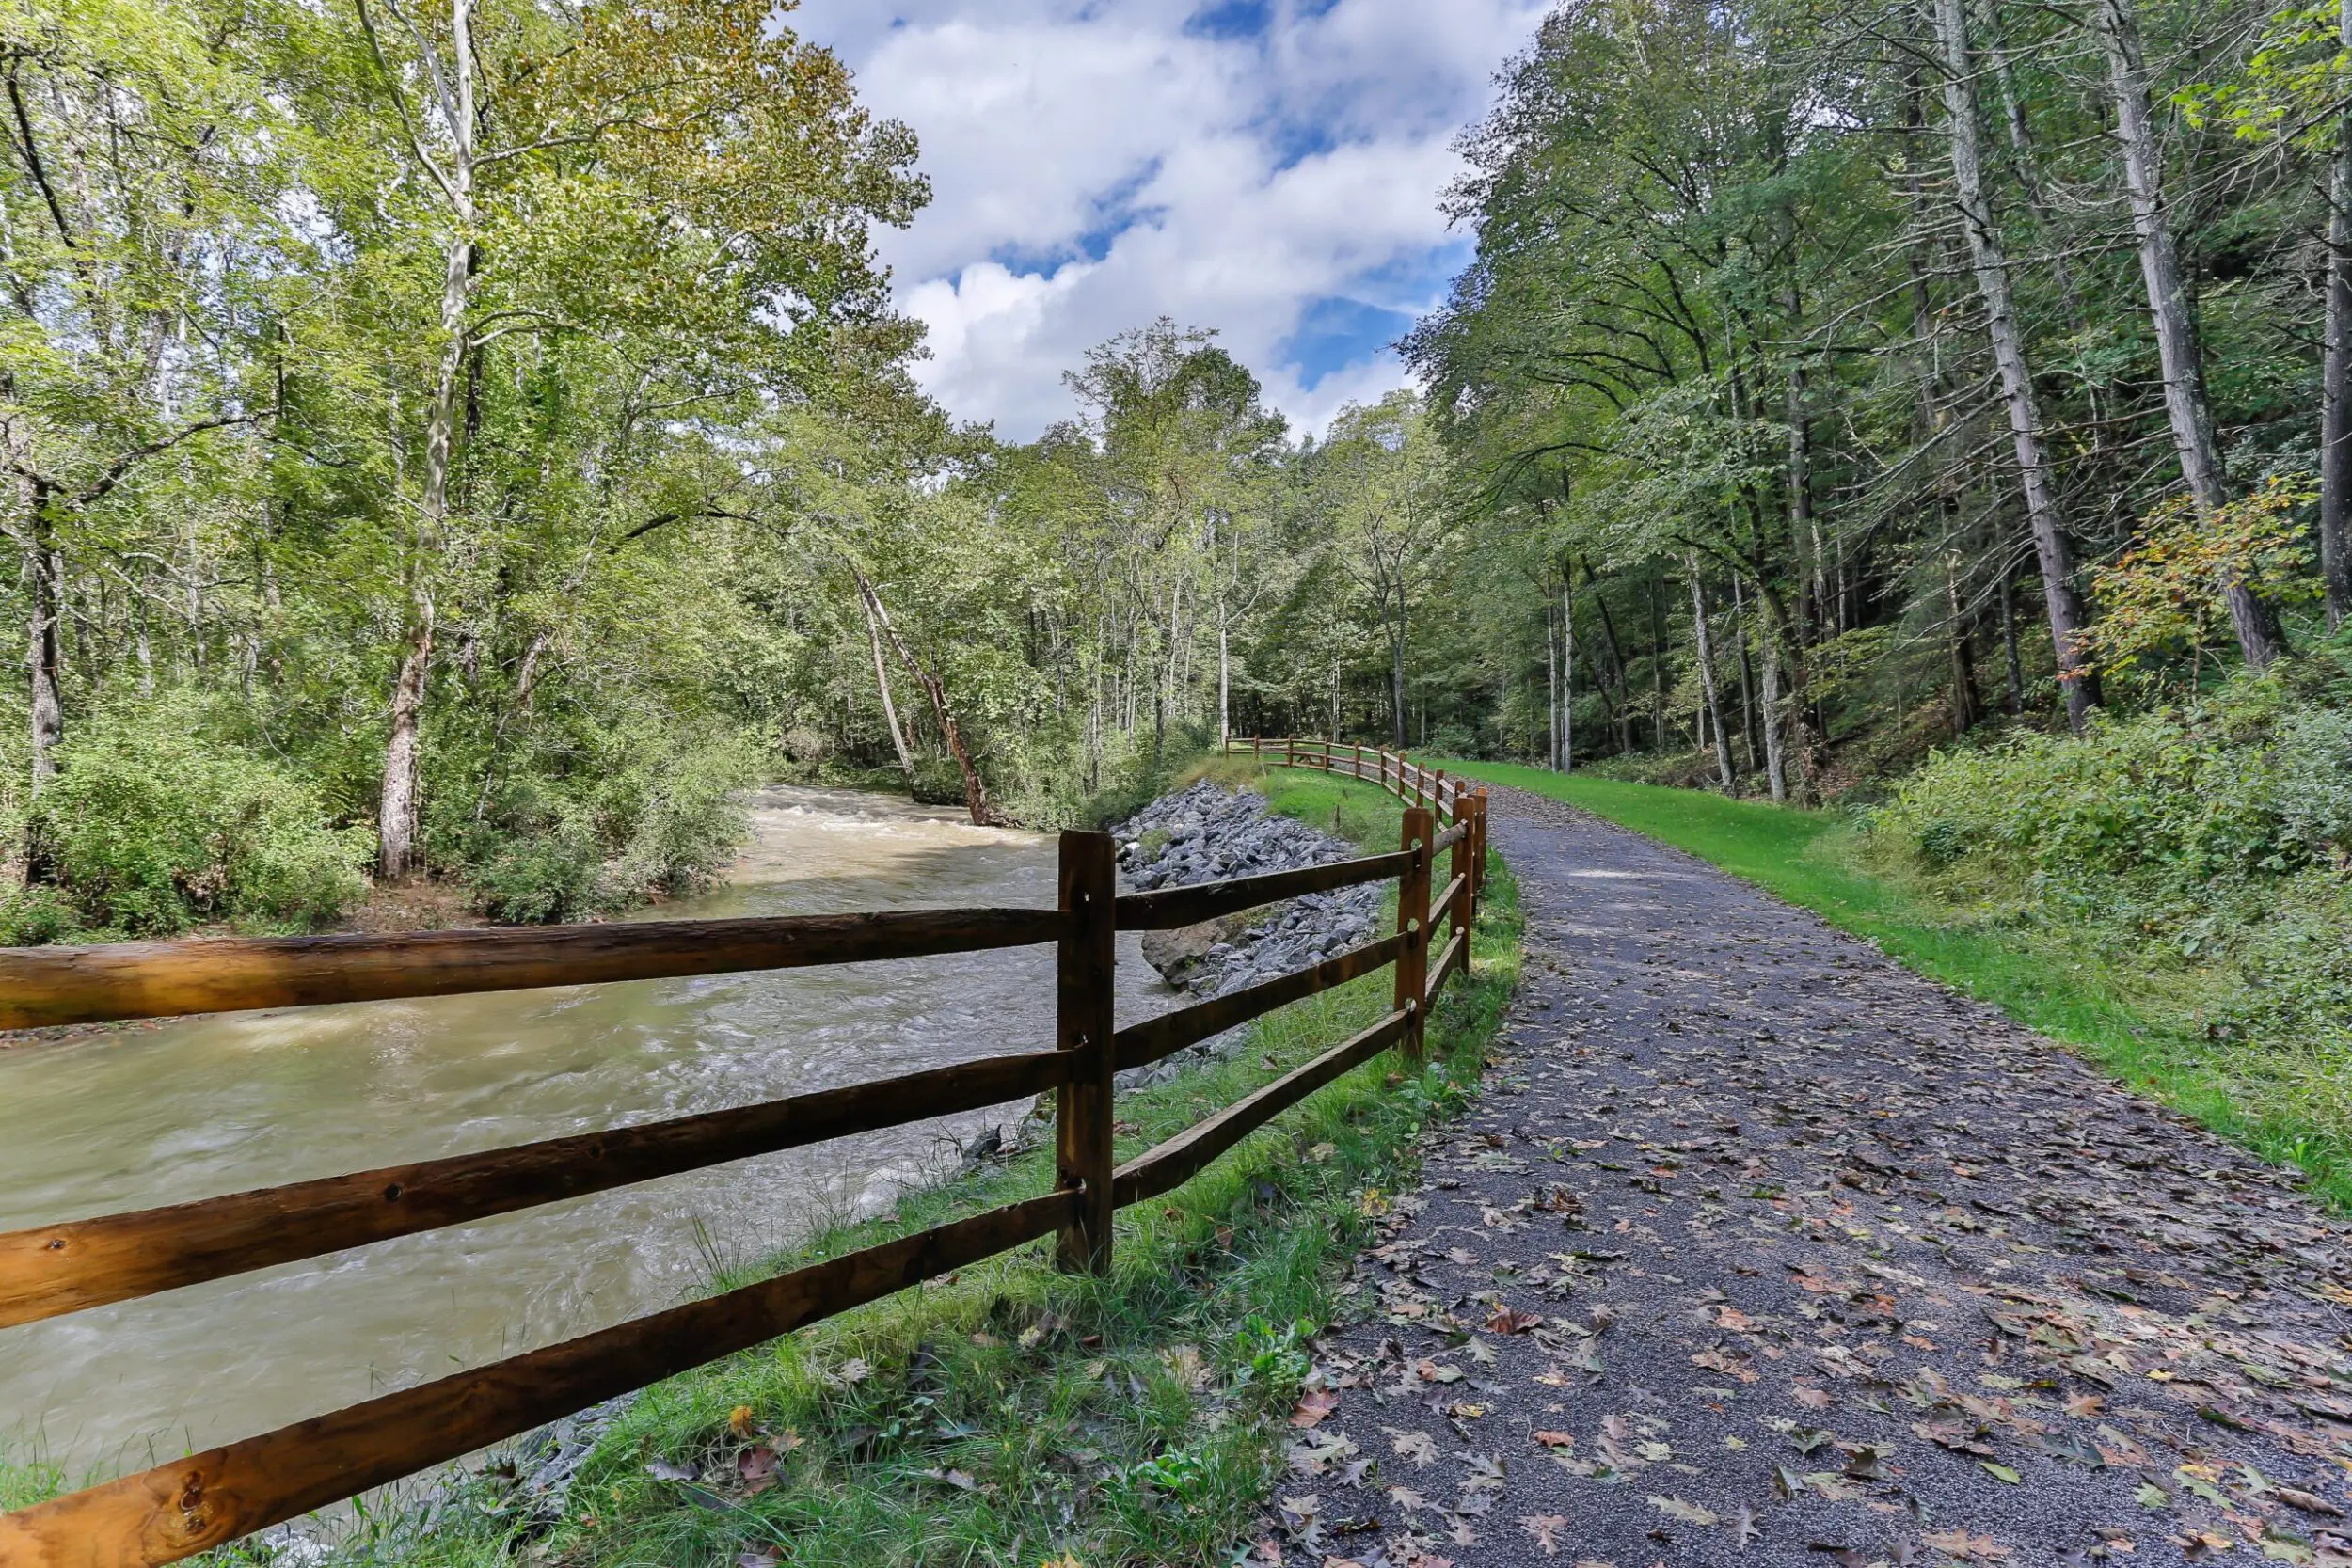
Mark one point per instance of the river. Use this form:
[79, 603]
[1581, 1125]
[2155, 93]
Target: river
[200, 1106]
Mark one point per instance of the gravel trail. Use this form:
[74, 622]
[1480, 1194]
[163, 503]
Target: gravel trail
[1760, 1249]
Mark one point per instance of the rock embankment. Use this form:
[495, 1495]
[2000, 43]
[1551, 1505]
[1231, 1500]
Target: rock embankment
[1206, 835]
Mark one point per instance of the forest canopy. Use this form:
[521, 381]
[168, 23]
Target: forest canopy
[474, 439]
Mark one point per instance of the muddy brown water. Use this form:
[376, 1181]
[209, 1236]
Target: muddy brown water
[201, 1106]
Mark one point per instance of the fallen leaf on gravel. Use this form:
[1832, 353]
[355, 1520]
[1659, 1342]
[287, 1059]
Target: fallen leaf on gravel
[1414, 1445]
[1407, 1498]
[1689, 1513]
[2152, 1495]
[1959, 1544]
[2309, 1502]
[1811, 1398]
[1318, 1403]
[1956, 1436]
[1734, 1320]
[1315, 1455]
[1545, 1527]
[1432, 1373]
[1743, 1526]
[1509, 1320]
[2000, 1472]
[1556, 1439]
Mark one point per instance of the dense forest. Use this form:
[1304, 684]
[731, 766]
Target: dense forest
[472, 440]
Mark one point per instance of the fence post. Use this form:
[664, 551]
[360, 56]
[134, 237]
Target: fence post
[1437, 794]
[1412, 914]
[1082, 1123]
[1478, 848]
[1459, 916]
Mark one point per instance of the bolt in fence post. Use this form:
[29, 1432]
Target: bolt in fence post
[1412, 915]
[1082, 1127]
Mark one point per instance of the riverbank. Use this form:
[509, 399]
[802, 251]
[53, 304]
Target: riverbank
[1012, 1414]
[2144, 1021]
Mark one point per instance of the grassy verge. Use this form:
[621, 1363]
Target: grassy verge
[1012, 1415]
[2137, 1021]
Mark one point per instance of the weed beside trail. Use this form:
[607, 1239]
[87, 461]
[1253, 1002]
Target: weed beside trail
[1014, 1414]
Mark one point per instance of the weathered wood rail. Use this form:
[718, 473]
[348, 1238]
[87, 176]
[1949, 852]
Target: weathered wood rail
[177, 1509]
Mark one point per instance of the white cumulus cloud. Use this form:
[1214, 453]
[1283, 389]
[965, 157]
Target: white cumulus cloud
[1270, 168]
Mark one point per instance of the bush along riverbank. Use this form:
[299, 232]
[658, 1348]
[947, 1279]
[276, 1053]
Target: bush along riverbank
[1011, 1414]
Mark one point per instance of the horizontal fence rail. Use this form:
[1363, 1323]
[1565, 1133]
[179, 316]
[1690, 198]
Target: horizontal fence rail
[172, 1511]
[160, 979]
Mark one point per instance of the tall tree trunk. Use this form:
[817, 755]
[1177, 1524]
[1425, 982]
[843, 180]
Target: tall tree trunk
[1552, 686]
[2261, 639]
[881, 682]
[1224, 686]
[2335, 382]
[1396, 674]
[2012, 665]
[975, 788]
[42, 657]
[1707, 673]
[398, 809]
[2068, 620]
[1567, 672]
[1747, 675]
[1966, 706]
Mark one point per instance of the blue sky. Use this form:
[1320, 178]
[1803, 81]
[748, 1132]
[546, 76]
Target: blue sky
[1270, 168]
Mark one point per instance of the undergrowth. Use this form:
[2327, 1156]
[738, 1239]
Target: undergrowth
[1010, 1413]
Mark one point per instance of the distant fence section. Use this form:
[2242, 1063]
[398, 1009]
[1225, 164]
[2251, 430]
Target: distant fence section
[175, 1510]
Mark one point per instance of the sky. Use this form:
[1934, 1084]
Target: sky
[1270, 168]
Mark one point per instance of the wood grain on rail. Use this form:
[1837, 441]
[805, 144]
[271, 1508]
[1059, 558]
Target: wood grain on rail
[158, 979]
[1170, 908]
[1171, 1163]
[1141, 1044]
[55, 1269]
[176, 1510]
[1456, 951]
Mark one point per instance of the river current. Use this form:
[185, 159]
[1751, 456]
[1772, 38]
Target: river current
[195, 1107]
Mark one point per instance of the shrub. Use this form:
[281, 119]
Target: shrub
[546, 880]
[152, 825]
[663, 825]
[30, 916]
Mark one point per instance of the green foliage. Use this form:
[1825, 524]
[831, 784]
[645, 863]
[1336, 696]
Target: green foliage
[652, 823]
[153, 825]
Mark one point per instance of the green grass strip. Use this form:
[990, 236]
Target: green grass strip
[2057, 984]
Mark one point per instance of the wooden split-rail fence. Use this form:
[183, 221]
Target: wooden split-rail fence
[175, 1510]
